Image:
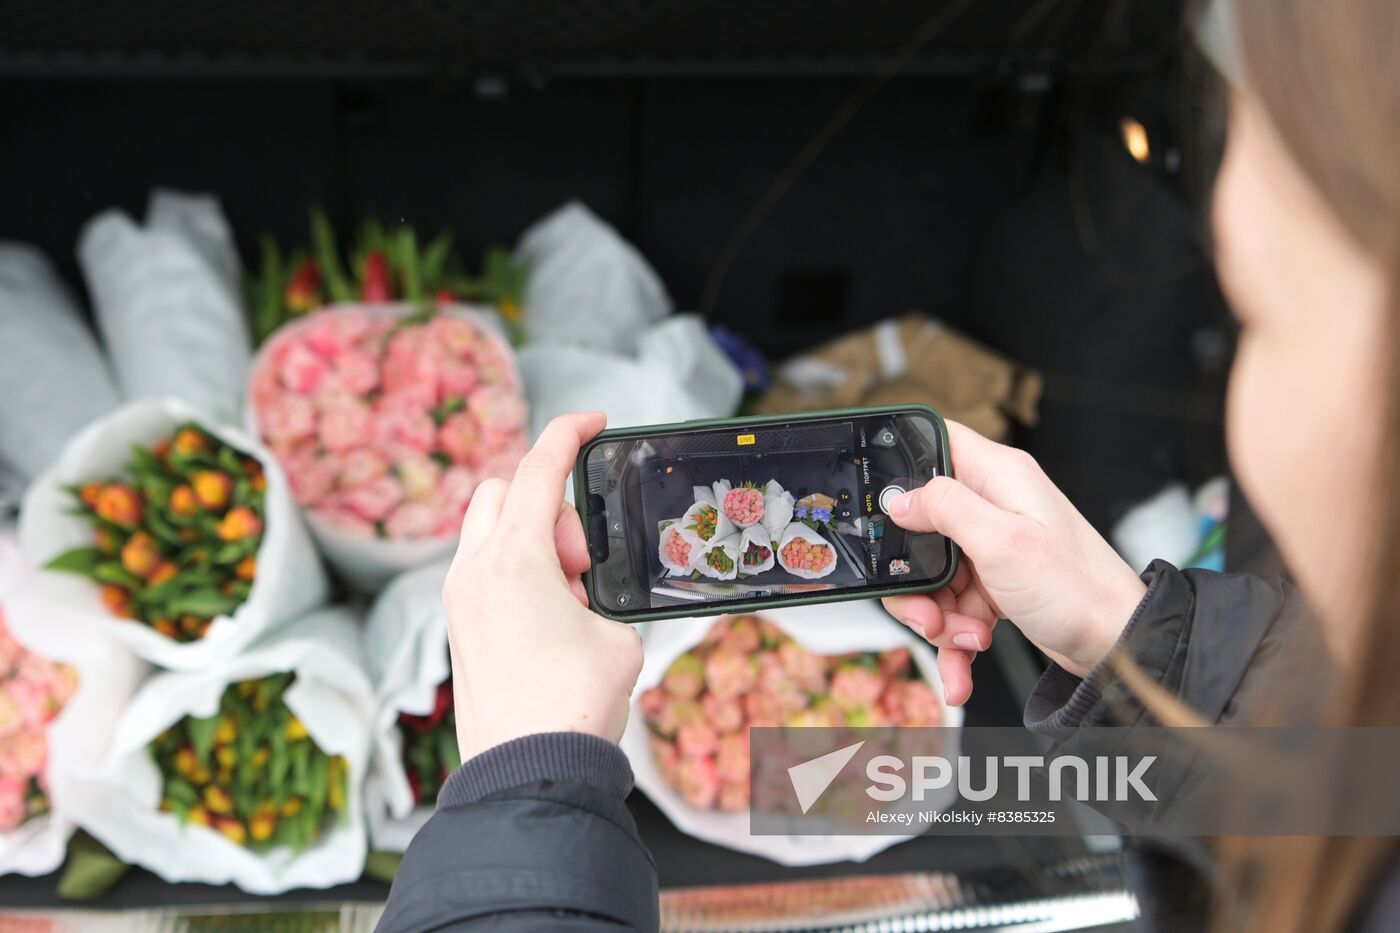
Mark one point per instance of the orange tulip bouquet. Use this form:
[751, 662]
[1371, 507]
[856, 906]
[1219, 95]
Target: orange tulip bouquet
[183, 533]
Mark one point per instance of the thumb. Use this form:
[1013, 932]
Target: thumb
[948, 507]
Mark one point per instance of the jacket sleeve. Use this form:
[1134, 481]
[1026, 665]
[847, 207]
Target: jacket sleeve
[1235, 649]
[532, 834]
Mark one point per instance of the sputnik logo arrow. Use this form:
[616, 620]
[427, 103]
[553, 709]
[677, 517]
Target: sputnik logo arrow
[811, 778]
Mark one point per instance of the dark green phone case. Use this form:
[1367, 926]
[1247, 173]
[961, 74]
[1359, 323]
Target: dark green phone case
[738, 606]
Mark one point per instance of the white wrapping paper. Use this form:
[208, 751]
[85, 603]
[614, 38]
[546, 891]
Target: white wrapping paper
[588, 288]
[166, 297]
[677, 528]
[758, 536]
[730, 546]
[118, 802]
[799, 530]
[723, 526]
[79, 735]
[289, 578]
[833, 628]
[777, 509]
[406, 642]
[365, 563]
[54, 379]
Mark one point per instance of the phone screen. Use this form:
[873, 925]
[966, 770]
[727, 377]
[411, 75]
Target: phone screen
[696, 518]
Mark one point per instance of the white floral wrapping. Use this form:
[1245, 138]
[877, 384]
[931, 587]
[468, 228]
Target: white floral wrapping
[406, 643]
[758, 536]
[78, 737]
[730, 547]
[691, 539]
[812, 536]
[289, 578]
[119, 801]
[831, 628]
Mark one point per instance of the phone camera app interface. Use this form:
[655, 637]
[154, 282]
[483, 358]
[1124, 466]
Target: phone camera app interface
[718, 515]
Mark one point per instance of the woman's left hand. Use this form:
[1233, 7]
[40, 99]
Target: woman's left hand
[527, 654]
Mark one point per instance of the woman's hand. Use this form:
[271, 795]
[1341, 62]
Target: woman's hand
[1028, 556]
[527, 654]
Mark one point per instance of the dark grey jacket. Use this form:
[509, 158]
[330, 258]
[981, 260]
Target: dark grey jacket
[534, 834]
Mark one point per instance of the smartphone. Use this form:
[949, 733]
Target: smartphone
[734, 515]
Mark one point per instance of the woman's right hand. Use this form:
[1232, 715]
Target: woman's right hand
[1028, 557]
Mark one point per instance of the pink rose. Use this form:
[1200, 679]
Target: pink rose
[667, 759]
[677, 713]
[456, 336]
[806, 668]
[458, 437]
[724, 715]
[457, 378]
[763, 709]
[854, 685]
[402, 427]
[698, 782]
[734, 796]
[493, 365]
[374, 501]
[11, 714]
[685, 678]
[742, 635]
[35, 701]
[13, 806]
[412, 520]
[334, 333]
[360, 468]
[732, 758]
[895, 662]
[729, 674]
[287, 419]
[419, 475]
[411, 359]
[358, 372]
[912, 703]
[497, 410]
[346, 423]
[24, 754]
[696, 740]
[311, 476]
[651, 702]
[299, 368]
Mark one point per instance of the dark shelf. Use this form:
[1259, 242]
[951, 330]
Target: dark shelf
[559, 38]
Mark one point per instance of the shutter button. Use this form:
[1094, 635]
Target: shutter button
[888, 495]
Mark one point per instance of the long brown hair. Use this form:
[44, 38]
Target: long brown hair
[1327, 73]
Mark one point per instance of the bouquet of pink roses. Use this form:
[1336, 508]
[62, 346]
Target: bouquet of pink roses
[749, 672]
[385, 421]
[33, 690]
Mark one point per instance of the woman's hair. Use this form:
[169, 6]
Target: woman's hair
[1327, 73]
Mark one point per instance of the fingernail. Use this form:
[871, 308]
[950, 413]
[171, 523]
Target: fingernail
[967, 641]
[915, 626]
[900, 506]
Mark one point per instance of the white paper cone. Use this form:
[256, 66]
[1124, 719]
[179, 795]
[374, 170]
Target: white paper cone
[78, 737]
[777, 509]
[730, 546]
[833, 628]
[289, 578]
[756, 535]
[170, 316]
[54, 379]
[692, 540]
[723, 526]
[118, 803]
[406, 643]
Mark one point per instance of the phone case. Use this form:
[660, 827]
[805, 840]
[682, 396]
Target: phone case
[738, 606]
